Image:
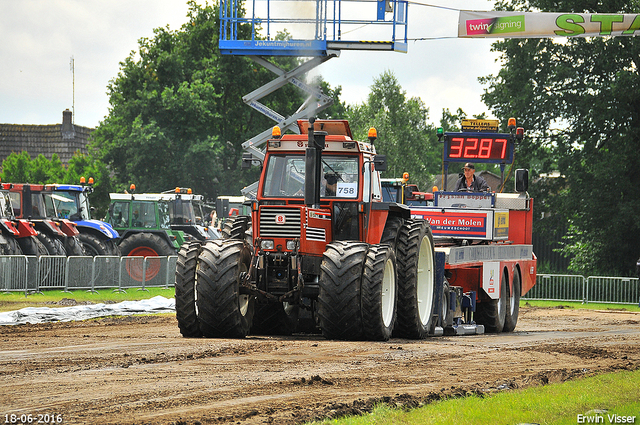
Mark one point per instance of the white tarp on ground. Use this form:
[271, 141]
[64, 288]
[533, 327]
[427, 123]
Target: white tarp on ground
[546, 24]
[156, 304]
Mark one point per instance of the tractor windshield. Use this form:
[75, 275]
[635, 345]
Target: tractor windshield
[284, 176]
[62, 205]
[181, 212]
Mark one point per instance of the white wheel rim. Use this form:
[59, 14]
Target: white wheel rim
[425, 280]
[388, 292]
[243, 303]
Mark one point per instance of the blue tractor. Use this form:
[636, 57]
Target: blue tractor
[72, 202]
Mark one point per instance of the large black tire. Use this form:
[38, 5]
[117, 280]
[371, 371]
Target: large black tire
[53, 245]
[379, 293]
[9, 245]
[391, 231]
[236, 228]
[416, 280]
[94, 245]
[224, 311]
[513, 305]
[446, 313]
[341, 270]
[186, 311]
[73, 246]
[275, 318]
[493, 313]
[146, 245]
[31, 245]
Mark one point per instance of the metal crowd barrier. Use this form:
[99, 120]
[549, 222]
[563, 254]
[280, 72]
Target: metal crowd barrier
[600, 289]
[19, 273]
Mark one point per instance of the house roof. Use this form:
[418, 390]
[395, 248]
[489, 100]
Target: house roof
[64, 139]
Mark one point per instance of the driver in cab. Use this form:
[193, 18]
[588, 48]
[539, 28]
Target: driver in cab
[470, 182]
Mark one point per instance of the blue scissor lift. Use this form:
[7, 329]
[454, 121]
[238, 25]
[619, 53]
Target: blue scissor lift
[319, 30]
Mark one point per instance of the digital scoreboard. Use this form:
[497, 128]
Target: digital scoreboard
[478, 147]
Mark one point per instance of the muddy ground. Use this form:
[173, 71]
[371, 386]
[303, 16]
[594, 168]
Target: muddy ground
[140, 370]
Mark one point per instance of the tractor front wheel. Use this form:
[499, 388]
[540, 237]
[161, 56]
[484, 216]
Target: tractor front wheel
[379, 293]
[186, 294]
[339, 310]
[94, 245]
[225, 309]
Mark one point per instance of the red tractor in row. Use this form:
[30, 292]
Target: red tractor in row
[54, 236]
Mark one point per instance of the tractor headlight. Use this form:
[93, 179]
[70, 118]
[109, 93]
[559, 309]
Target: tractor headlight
[266, 244]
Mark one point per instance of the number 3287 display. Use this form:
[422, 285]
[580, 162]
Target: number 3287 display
[479, 148]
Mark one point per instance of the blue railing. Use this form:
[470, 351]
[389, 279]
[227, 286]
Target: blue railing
[316, 27]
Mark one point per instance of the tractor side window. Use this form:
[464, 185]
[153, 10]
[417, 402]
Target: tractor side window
[37, 205]
[5, 205]
[16, 203]
[119, 216]
[163, 215]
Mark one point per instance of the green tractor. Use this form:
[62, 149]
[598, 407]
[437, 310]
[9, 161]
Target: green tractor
[144, 225]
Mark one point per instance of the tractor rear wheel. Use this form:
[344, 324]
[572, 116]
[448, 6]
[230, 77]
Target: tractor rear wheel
[53, 245]
[339, 310]
[235, 228]
[73, 246]
[186, 294]
[224, 309]
[144, 245]
[391, 231]
[94, 245]
[379, 293]
[493, 313]
[416, 280]
[31, 245]
[513, 308]
[10, 246]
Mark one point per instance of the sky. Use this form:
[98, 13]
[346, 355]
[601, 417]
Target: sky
[40, 38]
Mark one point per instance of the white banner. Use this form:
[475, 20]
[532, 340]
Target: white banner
[543, 24]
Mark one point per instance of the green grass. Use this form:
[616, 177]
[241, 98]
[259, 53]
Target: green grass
[617, 393]
[17, 300]
[579, 305]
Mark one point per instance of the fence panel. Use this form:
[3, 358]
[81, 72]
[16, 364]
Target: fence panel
[621, 290]
[51, 272]
[557, 287]
[27, 274]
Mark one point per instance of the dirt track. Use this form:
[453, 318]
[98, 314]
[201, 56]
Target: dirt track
[139, 370]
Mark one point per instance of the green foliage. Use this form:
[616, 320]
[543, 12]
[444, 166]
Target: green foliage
[579, 100]
[177, 117]
[20, 168]
[404, 135]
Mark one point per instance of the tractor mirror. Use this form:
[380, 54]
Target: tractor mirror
[380, 161]
[522, 180]
[247, 160]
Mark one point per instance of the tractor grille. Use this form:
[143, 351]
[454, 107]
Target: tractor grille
[279, 222]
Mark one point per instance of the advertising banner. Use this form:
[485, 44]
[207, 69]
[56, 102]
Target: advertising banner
[545, 24]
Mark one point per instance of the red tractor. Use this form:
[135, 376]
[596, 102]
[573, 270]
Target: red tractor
[14, 233]
[321, 248]
[57, 236]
